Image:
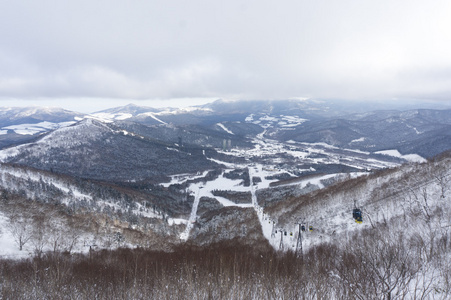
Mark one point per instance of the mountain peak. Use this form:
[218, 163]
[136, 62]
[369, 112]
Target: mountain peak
[124, 112]
[131, 105]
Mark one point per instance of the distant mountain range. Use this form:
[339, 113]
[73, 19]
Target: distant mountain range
[136, 129]
[421, 131]
[425, 132]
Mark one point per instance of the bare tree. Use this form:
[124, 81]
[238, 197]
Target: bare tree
[41, 234]
[21, 229]
[63, 234]
[419, 202]
[378, 265]
[443, 179]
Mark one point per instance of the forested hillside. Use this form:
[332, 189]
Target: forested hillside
[97, 150]
[400, 250]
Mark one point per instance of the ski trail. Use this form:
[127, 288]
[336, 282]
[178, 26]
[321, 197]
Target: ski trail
[260, 135]
[265, 221]
[192, 218]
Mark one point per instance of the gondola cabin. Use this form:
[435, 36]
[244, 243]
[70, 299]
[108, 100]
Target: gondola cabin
[357, 215]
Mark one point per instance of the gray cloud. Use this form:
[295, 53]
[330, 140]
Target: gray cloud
[230, 49]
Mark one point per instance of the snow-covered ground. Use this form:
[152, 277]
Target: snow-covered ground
[408, 157]
[281, 121]
[8, 245]
[152, 115]
[112, 116]
[30, 129]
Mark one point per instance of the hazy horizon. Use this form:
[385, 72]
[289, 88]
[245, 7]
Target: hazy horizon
[107, 53]
[96, 106]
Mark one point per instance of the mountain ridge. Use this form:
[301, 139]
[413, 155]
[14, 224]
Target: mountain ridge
[97, 185]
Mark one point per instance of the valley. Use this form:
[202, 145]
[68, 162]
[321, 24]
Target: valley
[184, 172]
[266, 181]
[289, 166]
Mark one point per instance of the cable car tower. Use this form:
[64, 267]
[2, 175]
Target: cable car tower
[273, 230]
[281, 238]
[301, 224]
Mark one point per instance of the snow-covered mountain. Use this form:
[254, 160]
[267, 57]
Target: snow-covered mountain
[420, 131]
[12, 116]
[98, 150]
[423, 132]
[153, 116]
[223, 111]
[289, 136]
[124, 112]
[21, 124]
[242, 178]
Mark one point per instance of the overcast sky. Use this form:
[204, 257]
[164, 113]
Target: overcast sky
[95, 54]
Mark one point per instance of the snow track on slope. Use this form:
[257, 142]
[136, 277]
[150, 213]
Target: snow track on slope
[266, 223]
[224, 128]
[192, 218]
